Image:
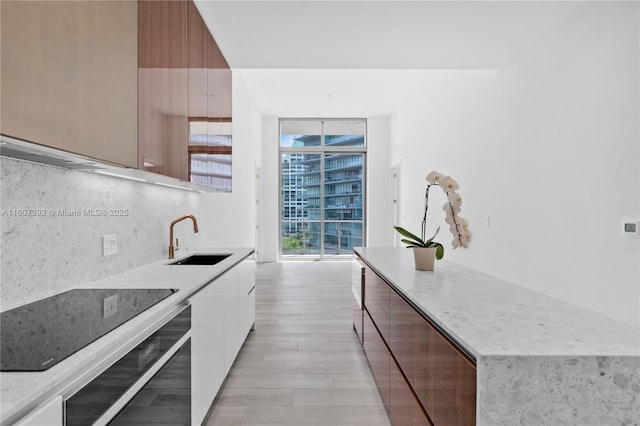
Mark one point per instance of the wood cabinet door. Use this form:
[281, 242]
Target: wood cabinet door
[405, 410]
[377, 301]
[357, 318]
[378, 357]
[69, 76]
[184, 92]
[209, 108]
[163, 87]
[442, 378]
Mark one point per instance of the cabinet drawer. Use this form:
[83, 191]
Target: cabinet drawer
[378, 357]
[399, 400]
[377, 301]
[442, 377]
[405, 410]
[357, 318]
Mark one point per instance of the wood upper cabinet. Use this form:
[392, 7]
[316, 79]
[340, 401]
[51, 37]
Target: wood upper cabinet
[163, 87]
[183, 79]
[69, 76]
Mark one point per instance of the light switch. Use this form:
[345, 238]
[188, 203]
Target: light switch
[109, 306]
[109, 245]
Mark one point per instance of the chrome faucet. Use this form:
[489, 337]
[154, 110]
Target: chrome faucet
[195, 230]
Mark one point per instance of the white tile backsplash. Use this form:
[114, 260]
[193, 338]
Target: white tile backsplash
[58, 243]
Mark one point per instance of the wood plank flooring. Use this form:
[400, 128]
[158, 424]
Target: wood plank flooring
[302, 365]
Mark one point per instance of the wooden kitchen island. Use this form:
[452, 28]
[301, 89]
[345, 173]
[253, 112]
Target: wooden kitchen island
[459, 347]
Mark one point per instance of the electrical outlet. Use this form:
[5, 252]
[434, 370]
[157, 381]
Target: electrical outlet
[631, 227]
[109, 306]
[109, 245]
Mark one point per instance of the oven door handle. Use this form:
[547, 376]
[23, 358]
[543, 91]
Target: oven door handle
[141, 382]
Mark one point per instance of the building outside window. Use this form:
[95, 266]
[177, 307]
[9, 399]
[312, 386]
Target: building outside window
[210, 151]
[322, 192]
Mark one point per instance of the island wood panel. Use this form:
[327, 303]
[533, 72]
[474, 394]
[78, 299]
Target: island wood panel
[379, 358]
[357, 318]
[405, 410]
[441, 376]
[400, 401]
[377, 301]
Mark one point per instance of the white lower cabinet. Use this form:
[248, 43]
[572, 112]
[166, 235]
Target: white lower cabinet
[48, 414]
[220, 315]
[207, 350]
[247, 296]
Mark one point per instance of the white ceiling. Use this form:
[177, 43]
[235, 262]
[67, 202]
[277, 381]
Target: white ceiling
[269, 39]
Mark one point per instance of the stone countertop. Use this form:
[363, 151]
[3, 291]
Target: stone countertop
[21, 392]
[490, 316]
[539, 360]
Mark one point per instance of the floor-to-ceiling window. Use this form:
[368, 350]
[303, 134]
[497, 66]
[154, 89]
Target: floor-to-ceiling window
[322, 166]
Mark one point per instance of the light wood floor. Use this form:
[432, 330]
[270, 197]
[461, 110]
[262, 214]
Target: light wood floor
[302, 365]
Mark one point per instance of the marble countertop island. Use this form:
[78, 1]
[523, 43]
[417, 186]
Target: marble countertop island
[21, 392]
[539, 360]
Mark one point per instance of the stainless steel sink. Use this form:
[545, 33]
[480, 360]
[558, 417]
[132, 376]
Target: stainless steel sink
[201, 259]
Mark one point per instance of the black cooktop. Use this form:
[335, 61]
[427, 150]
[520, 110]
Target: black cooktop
[37, 336]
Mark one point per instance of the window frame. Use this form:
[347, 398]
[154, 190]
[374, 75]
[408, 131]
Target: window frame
[322, 150]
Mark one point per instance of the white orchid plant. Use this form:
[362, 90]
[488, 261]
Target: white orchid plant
[457, 225]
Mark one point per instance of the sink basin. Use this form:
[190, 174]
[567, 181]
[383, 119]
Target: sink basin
[201, 259]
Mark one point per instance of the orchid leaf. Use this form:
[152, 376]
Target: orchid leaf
[439, 250]
[411, 243]
[409, 235]
[434, 235]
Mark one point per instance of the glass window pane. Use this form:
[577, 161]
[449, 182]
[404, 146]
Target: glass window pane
[344, 133]
[298, 238]
[300, 191]
[342, 237]
[322, 198]
[300, 133]
[342, 202]
[210, 153]
[213, 170]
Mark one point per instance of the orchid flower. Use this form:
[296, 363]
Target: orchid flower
[448, 184]
[457, 225]
[454, 199]
[434, 178]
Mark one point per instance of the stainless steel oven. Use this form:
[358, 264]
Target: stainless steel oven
[357, 287]
[150, 384]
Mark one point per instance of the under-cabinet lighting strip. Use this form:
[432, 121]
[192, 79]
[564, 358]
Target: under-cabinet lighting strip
[173, 186]
[120, 176]
[147, 181]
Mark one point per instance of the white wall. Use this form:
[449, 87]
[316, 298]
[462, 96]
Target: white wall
[230, 218]
[378, 181]
[271, 187]
[549, 150]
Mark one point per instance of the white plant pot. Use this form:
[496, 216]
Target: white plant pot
[425, 258]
